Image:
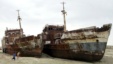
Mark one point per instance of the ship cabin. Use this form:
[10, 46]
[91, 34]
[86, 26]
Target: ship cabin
[52, 32]
[11, 35]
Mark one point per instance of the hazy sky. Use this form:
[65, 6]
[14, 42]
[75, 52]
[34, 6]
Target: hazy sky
[36, 14]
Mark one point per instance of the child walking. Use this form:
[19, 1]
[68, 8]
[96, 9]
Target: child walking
[14, 56]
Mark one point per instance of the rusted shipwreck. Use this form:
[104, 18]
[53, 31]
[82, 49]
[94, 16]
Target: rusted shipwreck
[8, 45]
[26, 45]
[15, 41]
[82, 44]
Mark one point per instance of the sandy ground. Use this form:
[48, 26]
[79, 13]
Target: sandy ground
[7, 59]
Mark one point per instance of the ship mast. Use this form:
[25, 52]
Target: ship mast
[19, 19]
[64, 13]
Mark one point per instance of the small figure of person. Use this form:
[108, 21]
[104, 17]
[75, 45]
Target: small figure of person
[14, 56]
[18, 55]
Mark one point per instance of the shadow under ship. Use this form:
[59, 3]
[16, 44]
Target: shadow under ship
[87, 44]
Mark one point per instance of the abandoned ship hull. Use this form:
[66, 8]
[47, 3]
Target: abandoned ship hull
[27, 45]
[11, 49]
[83, 44]
[31, 53]
[30, 46]
[89, 52]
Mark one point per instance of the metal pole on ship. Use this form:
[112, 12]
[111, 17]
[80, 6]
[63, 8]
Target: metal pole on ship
[19, 19]
[64, 13]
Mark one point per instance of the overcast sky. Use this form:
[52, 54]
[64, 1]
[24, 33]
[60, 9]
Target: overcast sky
[36, 14]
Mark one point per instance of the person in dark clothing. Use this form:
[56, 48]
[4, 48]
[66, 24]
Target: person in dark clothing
[14, 56]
